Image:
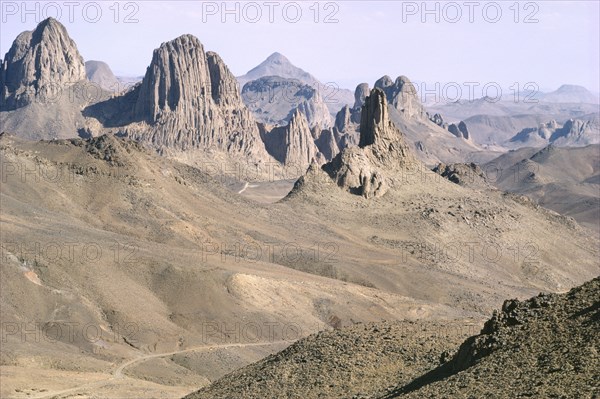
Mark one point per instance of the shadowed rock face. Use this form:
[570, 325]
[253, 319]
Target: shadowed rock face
[292, 145]
[459, 130]
[38, 63]
[327, 145]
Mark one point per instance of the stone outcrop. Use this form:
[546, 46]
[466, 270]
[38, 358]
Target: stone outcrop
[459, 130]
[292, 145]
[574, 133]
[39, 63]
[360, 94]
[371, 168]
[402, 94]
[468, 175]
[188, 100]
[438, 120]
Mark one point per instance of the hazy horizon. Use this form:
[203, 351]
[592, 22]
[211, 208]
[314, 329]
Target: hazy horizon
[368, 40]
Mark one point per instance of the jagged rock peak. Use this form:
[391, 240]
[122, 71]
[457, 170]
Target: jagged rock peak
[38, 62]
[277, 58]
[402, 94]
[178, 74]
[292, 145]
[224, 86]
[188, 99]
[371, 169]
[361, 92]
[384, 82]
[377, 130]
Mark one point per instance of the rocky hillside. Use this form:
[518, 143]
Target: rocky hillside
[545, 347]
[542, 347]
[566, 180]
[344, 363]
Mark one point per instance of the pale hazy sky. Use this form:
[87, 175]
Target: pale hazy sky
[546, 42]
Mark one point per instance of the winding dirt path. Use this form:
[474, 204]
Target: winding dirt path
[117, 373]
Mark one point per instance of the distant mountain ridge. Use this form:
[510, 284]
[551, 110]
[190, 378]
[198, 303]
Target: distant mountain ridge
[570, 94]
[273, 100]
[277, 64]
[99, 72]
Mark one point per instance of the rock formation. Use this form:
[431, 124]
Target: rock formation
[459, 130]
[345, 129]
[574, 133]
[407, 112]
[402, 94]
[438, 120]
[39, 63]
[361, 92]
[371, 168]
[292, 145]
[469, 175]
[187, 100]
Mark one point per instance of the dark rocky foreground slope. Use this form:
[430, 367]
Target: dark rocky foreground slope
[544, 347]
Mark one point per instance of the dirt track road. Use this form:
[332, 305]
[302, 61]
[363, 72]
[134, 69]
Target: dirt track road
[117, 373]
